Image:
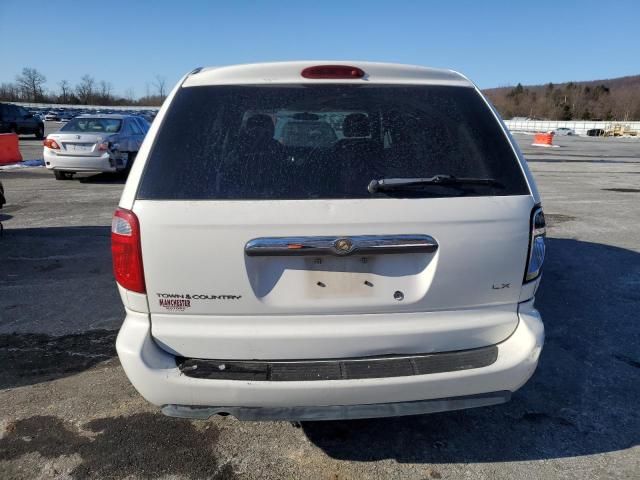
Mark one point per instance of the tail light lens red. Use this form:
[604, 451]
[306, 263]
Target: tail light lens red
[333, 72]
[126, 251]
[537, 246]
[50, 143]
[103, 147]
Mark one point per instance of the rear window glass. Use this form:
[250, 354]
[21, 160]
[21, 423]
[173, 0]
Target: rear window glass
[93, 125]
[326, 141]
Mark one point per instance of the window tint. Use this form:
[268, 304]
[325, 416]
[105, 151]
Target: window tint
[325, 141]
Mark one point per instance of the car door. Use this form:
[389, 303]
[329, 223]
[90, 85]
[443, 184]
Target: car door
[11, 113]
[4, 123]
[25, 121]
[136, 135]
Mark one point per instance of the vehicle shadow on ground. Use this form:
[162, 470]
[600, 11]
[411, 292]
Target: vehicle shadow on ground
[29, 138]
[58, 281]
[582, 399]
[105, 178]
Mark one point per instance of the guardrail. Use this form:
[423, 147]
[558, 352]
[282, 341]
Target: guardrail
[580, 127]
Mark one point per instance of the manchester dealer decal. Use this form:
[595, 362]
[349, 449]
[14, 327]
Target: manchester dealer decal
[179, 302]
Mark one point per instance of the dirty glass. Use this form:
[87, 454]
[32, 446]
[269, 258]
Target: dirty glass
[325, 141]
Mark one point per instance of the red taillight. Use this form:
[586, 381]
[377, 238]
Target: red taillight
[332, 72]
[103, 147]
[126, 251]
[537, 246]
[49, 143]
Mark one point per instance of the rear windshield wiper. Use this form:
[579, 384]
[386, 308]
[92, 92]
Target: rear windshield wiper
[444, 180]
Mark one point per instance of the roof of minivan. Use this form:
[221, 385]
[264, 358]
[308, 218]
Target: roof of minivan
[289, 72]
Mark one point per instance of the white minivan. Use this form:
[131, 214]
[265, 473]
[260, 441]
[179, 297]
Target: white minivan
[328, 240]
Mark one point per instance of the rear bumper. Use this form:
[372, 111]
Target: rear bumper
[341, 412]
[156, 376]
[72, 163]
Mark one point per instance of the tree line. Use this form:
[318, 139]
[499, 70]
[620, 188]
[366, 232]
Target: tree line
[614, 99]
[30, 86]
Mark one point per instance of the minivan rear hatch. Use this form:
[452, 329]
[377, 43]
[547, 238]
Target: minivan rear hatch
[262, 239]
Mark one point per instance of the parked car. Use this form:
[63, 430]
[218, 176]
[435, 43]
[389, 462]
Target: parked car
[52, 117]
[390, 271]
[16, 119]
[94, 143]
[143, 123]
[595, 132]
[564, 131]
[147, 117]
[65, 117]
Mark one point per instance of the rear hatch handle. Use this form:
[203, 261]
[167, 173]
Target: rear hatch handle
[340, 246]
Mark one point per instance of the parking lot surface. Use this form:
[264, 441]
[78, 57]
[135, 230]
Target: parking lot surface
[68, 411]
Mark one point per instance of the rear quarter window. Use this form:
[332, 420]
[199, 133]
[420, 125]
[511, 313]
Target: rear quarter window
[325, 142]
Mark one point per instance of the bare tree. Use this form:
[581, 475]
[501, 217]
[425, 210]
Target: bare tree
[9, 91]
[160, 84]
[31, 82]
[105, 91]
[85, 89]
[65, 88]
[130, 95]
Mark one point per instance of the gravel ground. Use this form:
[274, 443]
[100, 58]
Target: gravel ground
[68, 411]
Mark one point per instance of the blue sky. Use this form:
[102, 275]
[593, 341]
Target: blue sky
[495, 43]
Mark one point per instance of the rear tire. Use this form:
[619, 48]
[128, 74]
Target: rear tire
[40, 132]
[13, 129]
[62, 175]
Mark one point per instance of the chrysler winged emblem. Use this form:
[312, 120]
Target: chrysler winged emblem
[343, 246]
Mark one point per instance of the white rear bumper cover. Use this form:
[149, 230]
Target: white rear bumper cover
[106, 162]
[154, 373]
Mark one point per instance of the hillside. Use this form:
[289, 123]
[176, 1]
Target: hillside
[610, 99]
